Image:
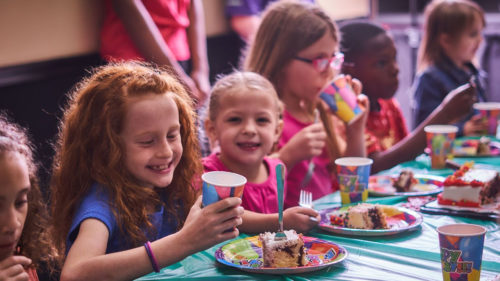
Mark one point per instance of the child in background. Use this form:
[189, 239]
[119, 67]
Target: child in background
[25, 243]
[244, 120]
[296, 48]
[370, 56]
[452, 35]
[124, 171]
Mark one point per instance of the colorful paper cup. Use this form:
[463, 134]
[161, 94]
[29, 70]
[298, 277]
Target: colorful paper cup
[490, 112]
[461, 248]
[353, 175]
[440, 143]
[218, 185]
[341, 99]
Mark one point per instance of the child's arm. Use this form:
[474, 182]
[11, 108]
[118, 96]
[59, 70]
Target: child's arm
[457, 103]
[12, 268]
[87, 258]
[297, 218]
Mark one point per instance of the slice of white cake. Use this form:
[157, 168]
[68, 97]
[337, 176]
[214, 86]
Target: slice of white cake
[289, 252]
[365, 216]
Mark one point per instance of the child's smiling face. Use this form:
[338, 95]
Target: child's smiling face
[14, 188]
[152, 139]
[246, 126]
[377, 68]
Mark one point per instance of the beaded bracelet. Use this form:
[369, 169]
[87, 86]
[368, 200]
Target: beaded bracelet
[152, 257]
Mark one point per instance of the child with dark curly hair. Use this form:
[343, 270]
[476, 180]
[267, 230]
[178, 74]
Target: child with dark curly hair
[24, 242]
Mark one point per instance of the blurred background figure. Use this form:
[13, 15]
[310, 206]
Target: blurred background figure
[453, 32]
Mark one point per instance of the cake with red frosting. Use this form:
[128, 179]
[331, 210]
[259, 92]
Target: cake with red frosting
[470, 187]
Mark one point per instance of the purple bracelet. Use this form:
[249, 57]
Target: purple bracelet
[151, 256]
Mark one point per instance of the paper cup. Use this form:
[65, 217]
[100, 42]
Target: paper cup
[440, 143]
[218, 185]
[353, 174]
[490, 112]
[341, 99]
[461, 248]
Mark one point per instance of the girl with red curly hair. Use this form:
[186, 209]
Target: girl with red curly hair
[124, 174]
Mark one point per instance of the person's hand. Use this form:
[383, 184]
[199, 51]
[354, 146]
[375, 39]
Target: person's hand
[307, 143]
[207, 226]
[356, 85]
[299, 219]
[475, 126]
[202, 84]
[359, 121]
[458, 103]
[195, 93]
[12, 268]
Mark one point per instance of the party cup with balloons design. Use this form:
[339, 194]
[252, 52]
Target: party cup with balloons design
[218, 185]
[353, 176]
[440, 140]
[461, 248]
[341, 99]
[489, 111]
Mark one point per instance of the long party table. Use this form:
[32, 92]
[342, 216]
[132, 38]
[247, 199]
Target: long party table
[411, 255]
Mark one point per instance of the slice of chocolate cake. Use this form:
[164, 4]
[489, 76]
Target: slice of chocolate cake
[405, 181]
[283, 253]
[365, 216]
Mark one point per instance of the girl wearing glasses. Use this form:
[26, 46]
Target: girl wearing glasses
[296, 48]
[370, 56]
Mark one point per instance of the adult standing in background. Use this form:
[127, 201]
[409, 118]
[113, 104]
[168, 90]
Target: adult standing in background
[165, 32]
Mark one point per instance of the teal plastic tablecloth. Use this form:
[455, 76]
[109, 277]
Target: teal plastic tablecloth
[412, 255]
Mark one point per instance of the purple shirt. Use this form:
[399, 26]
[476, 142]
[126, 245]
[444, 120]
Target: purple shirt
[249, 7]
[257, 197]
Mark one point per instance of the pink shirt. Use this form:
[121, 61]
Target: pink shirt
[257, 197]
[171, 18]
[322, 181]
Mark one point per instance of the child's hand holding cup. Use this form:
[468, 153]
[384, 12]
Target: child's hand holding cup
[341, 99]
[218, 185]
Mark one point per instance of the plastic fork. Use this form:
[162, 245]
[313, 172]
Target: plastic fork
[305, 199]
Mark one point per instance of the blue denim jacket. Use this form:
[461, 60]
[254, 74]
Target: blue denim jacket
[432, 85]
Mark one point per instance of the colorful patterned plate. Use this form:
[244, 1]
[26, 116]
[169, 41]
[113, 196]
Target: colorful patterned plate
[427, 185]
[468, 148]
[246, 254]
[400, 220]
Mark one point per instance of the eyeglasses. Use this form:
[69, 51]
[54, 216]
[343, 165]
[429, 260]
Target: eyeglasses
[322, 64]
